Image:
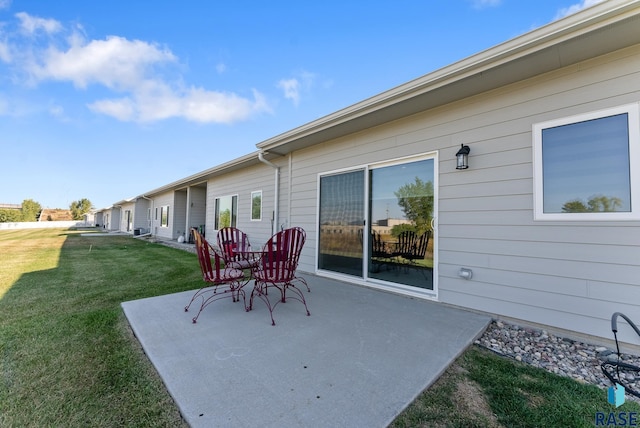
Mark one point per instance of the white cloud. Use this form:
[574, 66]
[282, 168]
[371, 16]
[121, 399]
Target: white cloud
[156, 101]
[576, 8]
[31, 24]
[206, 106]
[131, 69]
[56, 111]
[294, 87]
[221, 68]
[5, 52]
[291, 88]
[116, 62]
[122, 109]
[482, 4]
[4, 4]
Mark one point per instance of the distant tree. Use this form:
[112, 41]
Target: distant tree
[416, 201]
[224, 220]
[10, 216]
[80, 208]
[30, 210]
[256, 207]
[603, 203]
[575, 206]
[595, 204]
[399, 228]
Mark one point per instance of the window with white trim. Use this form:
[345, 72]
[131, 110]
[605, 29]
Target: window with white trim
[226, 211]
[128, 219]
[164, 216]
[256, 205]
[586, 166]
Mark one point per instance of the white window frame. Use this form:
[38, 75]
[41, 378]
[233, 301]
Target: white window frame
[632, 111]
[128, 219]
[164, 209]
[216, 209]
[254, 194]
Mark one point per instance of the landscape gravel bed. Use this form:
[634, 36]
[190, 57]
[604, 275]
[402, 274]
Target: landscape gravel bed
[562, 356]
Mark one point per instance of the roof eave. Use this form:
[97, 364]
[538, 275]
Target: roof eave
[202, 177]
[600, 29]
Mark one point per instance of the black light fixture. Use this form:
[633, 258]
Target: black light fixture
[463, 157]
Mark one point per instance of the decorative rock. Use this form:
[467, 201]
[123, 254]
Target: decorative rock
[562, 356]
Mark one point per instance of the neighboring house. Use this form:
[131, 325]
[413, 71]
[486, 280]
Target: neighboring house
[108, 218]
[127, 212]
[133, 216]
[215, 196]
[90, 218]
[142, 216]
[552, 122]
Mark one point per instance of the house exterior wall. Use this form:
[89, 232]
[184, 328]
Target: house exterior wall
[571, 275]
[164, 199]
[198, 206]
[114, 219]
[242, 183]
[131, 207]
[141, 219]
[179, 220]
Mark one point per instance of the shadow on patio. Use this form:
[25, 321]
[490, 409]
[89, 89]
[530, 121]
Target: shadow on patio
[360, 358]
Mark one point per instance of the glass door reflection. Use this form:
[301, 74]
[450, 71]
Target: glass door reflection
[401, 209]
[341, 217]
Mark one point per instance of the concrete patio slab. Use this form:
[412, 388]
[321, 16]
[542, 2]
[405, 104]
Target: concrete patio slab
[360, 358]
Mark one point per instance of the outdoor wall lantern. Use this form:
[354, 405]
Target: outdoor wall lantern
[463, 157]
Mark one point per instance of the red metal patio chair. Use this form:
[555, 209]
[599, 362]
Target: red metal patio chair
[221, 281]
[236, 248]
[277, 268]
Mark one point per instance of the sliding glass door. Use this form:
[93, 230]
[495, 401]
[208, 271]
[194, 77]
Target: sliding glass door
[341, 218]
[377, 223]
[401, 214]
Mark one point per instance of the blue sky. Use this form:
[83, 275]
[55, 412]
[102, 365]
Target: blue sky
[106, 100]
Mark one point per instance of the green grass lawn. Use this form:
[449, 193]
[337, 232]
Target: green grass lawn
[68, 358]
[482, 389]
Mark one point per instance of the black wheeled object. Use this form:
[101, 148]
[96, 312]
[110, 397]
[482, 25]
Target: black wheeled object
[613, 368]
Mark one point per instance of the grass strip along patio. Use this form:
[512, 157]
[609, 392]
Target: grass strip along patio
[68, 358]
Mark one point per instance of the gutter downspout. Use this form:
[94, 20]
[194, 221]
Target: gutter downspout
[274, 227]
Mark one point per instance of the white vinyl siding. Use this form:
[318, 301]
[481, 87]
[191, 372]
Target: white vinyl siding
[198, 206]
[179, 214]
[570, 275]
[141, 214]
[159, 201]
[114, 218]
[242, 183]
[127, 213]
